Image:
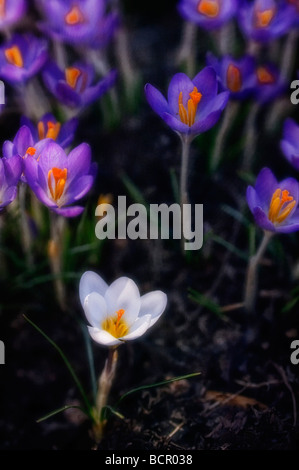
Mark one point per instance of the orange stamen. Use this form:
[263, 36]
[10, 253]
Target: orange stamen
[281, 206]
[208, 8]
[53, 130]
[71, 75]
[234, 78]
[264, 76]
[187, 116]
[41, 130]
[264, 18]
[14, 56]
[74, 16]
[56, 182]
[31, 151]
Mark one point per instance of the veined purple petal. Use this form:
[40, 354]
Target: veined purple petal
[265, 186]
[78, 188]
[79, 160]
[179, 83]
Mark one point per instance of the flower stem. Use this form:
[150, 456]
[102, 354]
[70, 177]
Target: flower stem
[57, 226]
[228, 118]
[251, 277]
[104, 386]
[184, 198]
[250, 137]
[186, 55]
[25, 228]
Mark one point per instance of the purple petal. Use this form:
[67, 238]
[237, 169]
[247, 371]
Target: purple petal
[73, 211]
[262, 220]
[266, 184]
[78, 188]
[176, 124]
[67, 132]
[155, 99]
[179, 83]
[79, 161]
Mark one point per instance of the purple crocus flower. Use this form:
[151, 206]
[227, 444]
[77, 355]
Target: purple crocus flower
[270, 83]
[11, 11]
[290, 142]
[78, 21]
[273, 204]
[208, 14]
[22, 57]
[264, 20]
[193, 106]
[74, 86]
[59, 180]
[10, 172]
[49, 128]
[236, 76]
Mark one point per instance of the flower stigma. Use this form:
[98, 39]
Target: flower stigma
[233, 78]
[116, 326]
[281, 206]
[14, 56]
[56, 182]
[53, 130]
[187, 116]
[209, 8]
[74, 16]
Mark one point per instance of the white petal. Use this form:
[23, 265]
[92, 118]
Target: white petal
[91, 282]
[95, 309]
[153, 304]
[123, 294]
[102, 337]
[138, 328]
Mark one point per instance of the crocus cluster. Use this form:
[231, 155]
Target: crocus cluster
[117, 313]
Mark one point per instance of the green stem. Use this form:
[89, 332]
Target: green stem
[186, 141]
[252, 275]
[57, 226]
[25, 228]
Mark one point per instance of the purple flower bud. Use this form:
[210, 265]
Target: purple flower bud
[10, 172]
[270, 83]
[235, 76]
[193, 106]
[74, 86]
[78, 22]
[59, 180]
[208, 14]
[264, 20]
[273, 204]
[22, 57]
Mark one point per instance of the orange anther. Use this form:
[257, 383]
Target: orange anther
[209, 8]
[14, 56]
[74, 16]
[233, 78]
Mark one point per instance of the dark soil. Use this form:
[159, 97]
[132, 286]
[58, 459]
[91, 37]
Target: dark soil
[246, 395]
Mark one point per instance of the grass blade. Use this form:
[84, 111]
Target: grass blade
[59, 410]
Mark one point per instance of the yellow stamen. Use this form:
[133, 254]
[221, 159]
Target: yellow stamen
[71, 75]
[209, 8]
[41, 130]
[264, 18]
[14, 56]
[53, 130]
[187, 116]
[264, 76]
[31, 151]
[233, 78]
[2, 8]
[116, 326]
[56, 182]
[74, 16]
[281, 206]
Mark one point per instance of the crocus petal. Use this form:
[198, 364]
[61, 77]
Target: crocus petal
[23, 140]
[262, 220]
[103, 337]
[123, 294]
[67, 95]
[67, 132]
[78, 189]
[95, 309]
[8, 149]
[155, 99]
[180, 83]
[72, 211]
[139, 327]
[79, 160]
[206, 83]
[265, 185]
[176, 124]
[153, 304]
[91, 282]
[52, 156]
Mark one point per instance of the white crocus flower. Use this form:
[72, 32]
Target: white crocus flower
[117, 313]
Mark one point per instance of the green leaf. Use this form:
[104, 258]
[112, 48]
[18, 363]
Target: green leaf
[204, 301]
[67, 363]
[157, 384]
[59, 410]
[236, 215]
